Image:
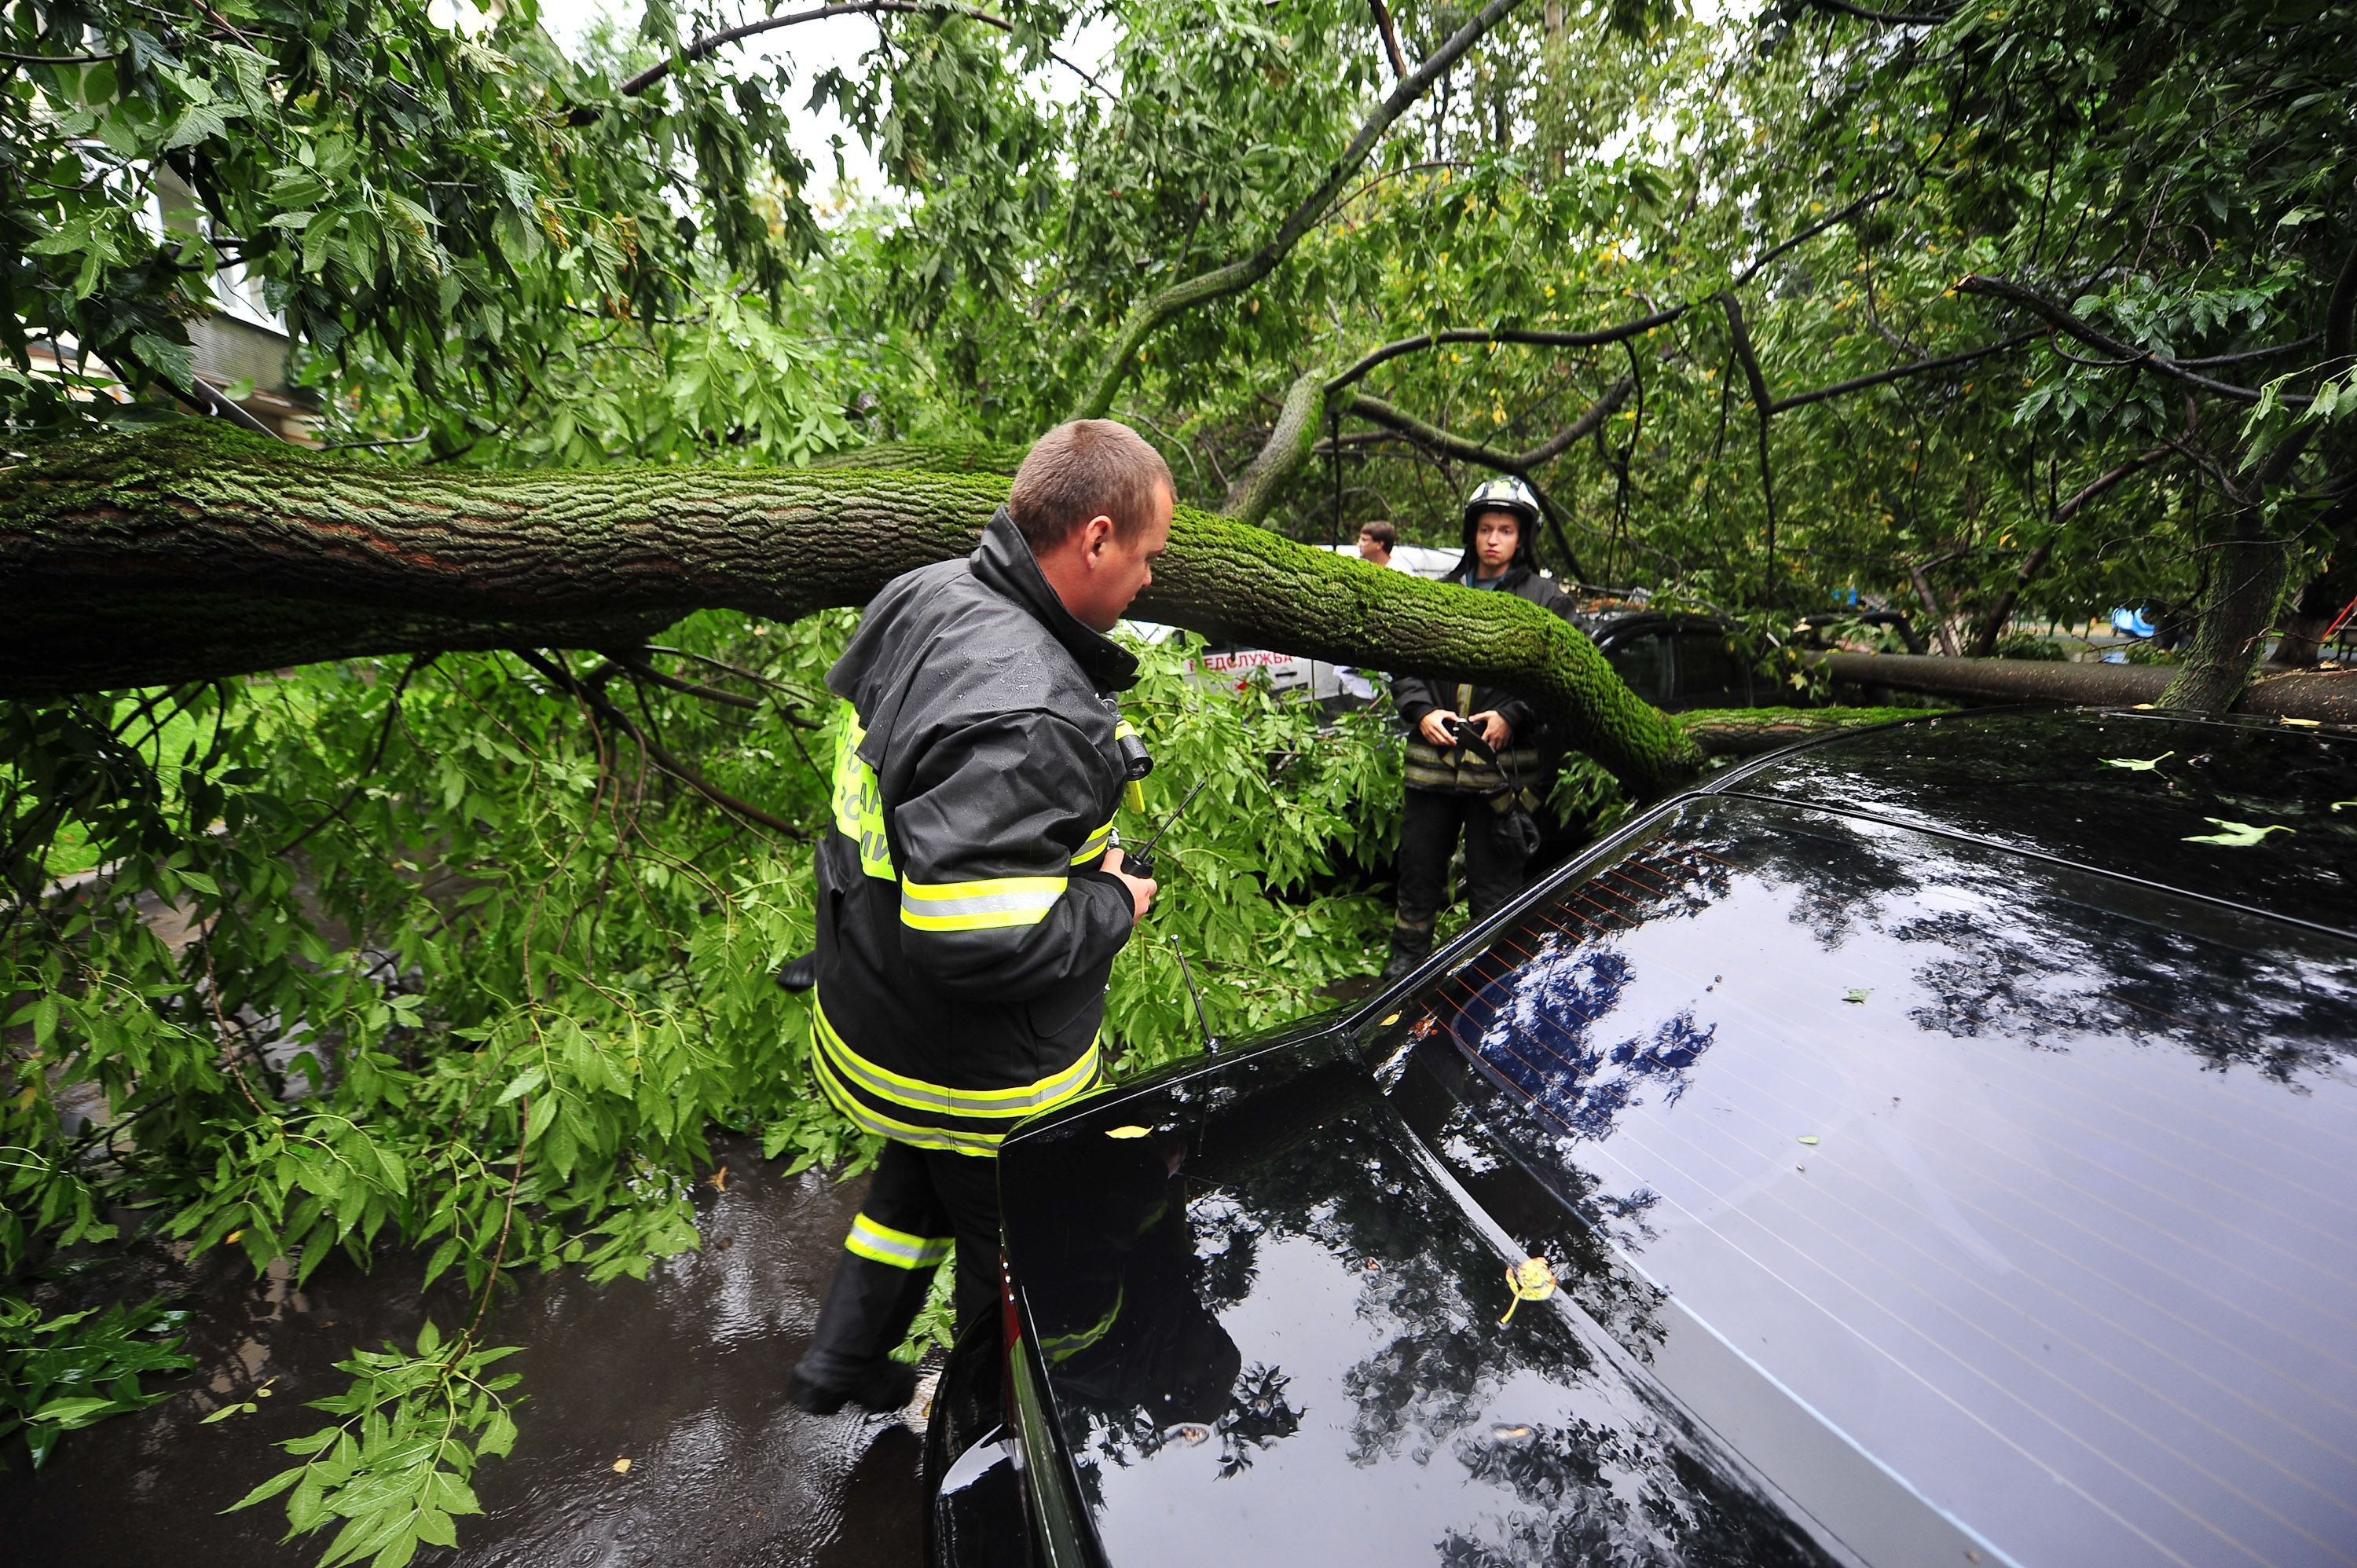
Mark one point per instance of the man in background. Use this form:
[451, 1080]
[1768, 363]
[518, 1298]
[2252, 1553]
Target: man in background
[1377, 540]
[971, 900]
[1473, 761]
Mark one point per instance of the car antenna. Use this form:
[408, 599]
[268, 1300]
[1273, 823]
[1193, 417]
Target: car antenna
[1211, 1041]
[1140, 861]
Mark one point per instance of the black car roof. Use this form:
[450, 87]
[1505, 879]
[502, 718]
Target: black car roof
[2145, 795]
[1967, 1147]
[1938, 1075]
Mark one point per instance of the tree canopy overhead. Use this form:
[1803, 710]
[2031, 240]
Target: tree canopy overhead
[1998, 314]
[1985, 313]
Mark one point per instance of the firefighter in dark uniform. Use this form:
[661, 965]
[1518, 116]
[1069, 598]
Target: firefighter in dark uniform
[1488, 790]
[971, 897]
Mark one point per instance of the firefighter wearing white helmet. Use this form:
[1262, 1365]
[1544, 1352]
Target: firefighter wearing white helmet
[1473, 763]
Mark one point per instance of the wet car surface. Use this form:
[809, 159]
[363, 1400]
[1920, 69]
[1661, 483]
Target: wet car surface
[682, 1374]
[1943, 1157]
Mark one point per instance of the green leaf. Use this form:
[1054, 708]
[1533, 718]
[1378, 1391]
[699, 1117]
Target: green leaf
[75, 1413]
[201, 122]
[499, 1436]
[269, 1489]
[246, 1407]
[2140, 765]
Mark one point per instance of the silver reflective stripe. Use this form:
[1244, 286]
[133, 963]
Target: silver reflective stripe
[883, 1244]
[976, 911]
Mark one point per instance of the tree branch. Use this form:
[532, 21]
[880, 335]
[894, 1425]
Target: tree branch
[1984, 642]
[1467, 450]
[643, 671]
[1391, 37]
[1281, 456]
[1739, 337]
[15, 59]
[1887, 18]
[2052, 312]
[564, 681]
[1807, 234]
[1151, 314]
[192, 551]
[1589, 339]
[713, 43]
[1921, 367]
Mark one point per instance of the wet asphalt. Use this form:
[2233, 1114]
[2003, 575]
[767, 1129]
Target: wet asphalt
[683, 1374]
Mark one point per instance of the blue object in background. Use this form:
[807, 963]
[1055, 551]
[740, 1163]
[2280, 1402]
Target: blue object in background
[1845, 597]
[2135, 622]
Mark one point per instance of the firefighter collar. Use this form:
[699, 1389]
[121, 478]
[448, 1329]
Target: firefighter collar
[1005, 563]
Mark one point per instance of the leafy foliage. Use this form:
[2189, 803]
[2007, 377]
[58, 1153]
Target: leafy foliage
[437, 954]
[427, 953]
[71, 1370]
[395, 1469]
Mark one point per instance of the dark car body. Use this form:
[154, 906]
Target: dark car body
[1941, 1136]
[1675, 660]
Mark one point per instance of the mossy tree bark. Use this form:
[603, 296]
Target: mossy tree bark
[1286, 449]
[198, 551]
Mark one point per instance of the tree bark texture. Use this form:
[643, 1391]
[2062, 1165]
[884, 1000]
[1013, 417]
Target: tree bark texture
[2329, 698]
[2245, 585]
[1286, 449]
[1754, 732]
[930, 457]
[196, 551]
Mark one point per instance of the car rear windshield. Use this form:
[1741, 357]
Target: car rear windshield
[2032, 1183]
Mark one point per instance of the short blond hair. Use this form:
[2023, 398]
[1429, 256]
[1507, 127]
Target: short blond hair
[1085, 468]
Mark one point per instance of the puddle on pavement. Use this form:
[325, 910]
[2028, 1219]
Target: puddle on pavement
[682, 1374]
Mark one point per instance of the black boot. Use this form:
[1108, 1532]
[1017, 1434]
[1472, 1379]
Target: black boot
[868, 1308]
[1410, 948]
[886, 1387]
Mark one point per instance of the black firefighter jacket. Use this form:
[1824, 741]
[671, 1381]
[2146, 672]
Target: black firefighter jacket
[1461, 770]
[965, 925]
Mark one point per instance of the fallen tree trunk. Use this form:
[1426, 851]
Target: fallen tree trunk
[2328, 697]
[1754, 732]
[196, 551]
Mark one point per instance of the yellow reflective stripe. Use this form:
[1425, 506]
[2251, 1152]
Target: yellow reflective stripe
[916, 1094]
[988, 904]
[1122, 727]
[882, 1244]
[1095, 845]
[859, 801]
[1059, 1347]
[868, 1120]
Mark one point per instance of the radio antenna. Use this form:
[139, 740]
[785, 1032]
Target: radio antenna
[1139, 861]
[1211, 1041]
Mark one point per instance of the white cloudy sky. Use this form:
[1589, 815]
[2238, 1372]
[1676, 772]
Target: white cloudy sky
[811, 48]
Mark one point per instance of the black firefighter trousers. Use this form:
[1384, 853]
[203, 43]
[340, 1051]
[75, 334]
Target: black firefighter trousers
[1496, 859]
[921, 1204]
